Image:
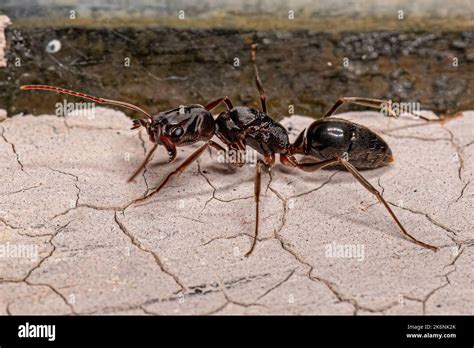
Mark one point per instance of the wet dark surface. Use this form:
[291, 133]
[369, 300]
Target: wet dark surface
[169, 67]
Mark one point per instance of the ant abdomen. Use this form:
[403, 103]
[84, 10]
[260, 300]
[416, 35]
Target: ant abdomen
[329, 138]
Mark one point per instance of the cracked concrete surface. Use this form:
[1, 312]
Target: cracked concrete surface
[64, 194]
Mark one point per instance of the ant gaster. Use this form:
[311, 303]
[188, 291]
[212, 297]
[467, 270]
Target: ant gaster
[327, 141]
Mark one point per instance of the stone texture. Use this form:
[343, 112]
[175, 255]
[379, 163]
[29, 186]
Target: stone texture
[4, 21]
[64, 194]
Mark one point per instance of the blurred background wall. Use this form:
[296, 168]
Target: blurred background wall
[304, 8]
[310, 52]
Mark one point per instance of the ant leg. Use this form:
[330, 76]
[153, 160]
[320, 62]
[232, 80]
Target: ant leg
[380, 104]
[269, 162]
[372, 103]
[216, 146]
[257, 184]
[258, 82]
[144, 163]
[194, 156]
[441, 119]
[377, 194]
[290, 161]
[216, 102]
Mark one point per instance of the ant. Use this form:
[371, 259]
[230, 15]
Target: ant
[327, 141]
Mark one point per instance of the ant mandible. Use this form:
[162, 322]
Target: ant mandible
[329, 141]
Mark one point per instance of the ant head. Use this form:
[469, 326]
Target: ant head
[178, 127]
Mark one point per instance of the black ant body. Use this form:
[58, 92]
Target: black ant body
[327, 141]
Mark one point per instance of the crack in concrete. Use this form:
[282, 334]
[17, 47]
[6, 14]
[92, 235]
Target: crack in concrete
[55, 130]
[433, 221]
[103, 208]
[146, 311]
[462, 192]
[13, 147]
[6, 223]
[147, 189]
[228, 238]
[140, 246]
[38, 265]
[116, 309]
[317, 188]
[35, 235]
[50, 241]
[75, 184]
[447, 283]
[53, 289]
[243, 280]
[285, 201]
[459, 153]
[427, 216]
[95, 207]
[21, 190]
[190, 219]
[236, 303]
[277, 285]
[286, 248]
[90, 206]
[451, 139]
[196, 290]
[7, 308]
[396, 136]
[223, 288]
[49, 286]
[214, 191]
[346, 299]
[430, 219]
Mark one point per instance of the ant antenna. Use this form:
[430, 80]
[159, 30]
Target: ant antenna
[86, 96]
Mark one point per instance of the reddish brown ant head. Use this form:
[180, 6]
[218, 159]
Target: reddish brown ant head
[182, 126]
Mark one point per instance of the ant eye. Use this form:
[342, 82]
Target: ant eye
[177, 132]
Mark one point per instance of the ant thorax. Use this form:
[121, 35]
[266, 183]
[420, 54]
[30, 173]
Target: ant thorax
[253, 128]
